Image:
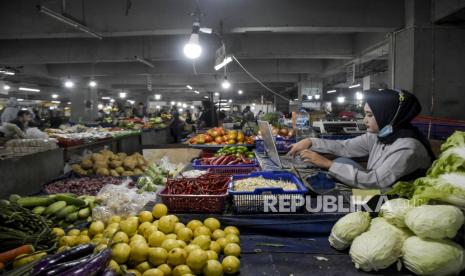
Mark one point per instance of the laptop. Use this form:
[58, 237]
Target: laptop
[283, 162]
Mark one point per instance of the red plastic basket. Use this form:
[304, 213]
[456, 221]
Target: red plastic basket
[194, 203]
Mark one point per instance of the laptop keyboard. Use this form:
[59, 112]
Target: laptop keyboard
[288, 162]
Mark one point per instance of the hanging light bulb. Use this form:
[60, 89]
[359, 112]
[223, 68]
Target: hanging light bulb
[69, 83]
[317, 96]
[122, 95]
[240, 92]
[193, 49]
[225, 84]
[92, 83]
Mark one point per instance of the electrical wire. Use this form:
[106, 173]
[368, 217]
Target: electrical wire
[258, 81]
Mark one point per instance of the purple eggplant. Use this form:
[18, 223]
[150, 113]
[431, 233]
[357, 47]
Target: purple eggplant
[93, 266]
[58, 268]
[108, 272]
[65, 256]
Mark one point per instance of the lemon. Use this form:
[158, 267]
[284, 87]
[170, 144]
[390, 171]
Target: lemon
[215, 247]
[113, 225]
[139, 251]
[218, 233]
[144, 226]
[148, 231]
[178, 226]
[113, 219]
[156, 238]
[100, 247]
[170, 244]
[129, 227]
[68, 240]
[114, 266]
[73, 232]
[175, 218]
[98, 236]
[172, 236]
[203, 241]
[231, 230]
[134, 219]
[166, 269]
[166, 224]
[134, 271]
[213, 268]
[176, 256]
[153, 272]
[120, 237]
[232, 249]
[191, 247]
[197, 259]
[159, 210]
[82, 239]
[193, 224]
[120, 253]
[181, 243]
[181, 270]
[212, 223]
[96, 227]
[202, 230]
[157, 255]
[137, 237]
[109, 232]
[58, 232]
[84, 233]
[155, 223]
[222, 242]
[231, 264]
[185, 234]
[145, 216]
[232, 238]
[142, 267]
[212, 255]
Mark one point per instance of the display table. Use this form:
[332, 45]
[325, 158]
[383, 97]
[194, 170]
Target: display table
[156, 136]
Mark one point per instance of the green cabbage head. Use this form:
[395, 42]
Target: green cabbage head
[432, 257]
[380, 223]
[348, 228]
[435, 221]
[394, 211]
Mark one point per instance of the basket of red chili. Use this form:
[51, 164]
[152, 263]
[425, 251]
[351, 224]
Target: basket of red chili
[204, 194]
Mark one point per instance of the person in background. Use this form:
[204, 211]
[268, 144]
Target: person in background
[221, 117]
[10, 111]
[23, 119]
[55, 119]
[248, 115]
[176, 127]
[188, 117]
[396, 149]
[140, 111]
[37, 121]
[208, 118]
[259, 115]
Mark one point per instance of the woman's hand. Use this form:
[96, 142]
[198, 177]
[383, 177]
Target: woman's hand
[316, 159]
[300, 146]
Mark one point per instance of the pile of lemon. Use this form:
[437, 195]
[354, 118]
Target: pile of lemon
[157, 244]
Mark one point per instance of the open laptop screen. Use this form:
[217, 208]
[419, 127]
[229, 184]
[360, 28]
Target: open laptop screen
[270, 146]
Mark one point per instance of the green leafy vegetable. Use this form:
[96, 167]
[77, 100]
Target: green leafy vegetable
[348, 228]
[452, 160]
[394, 211]
[457, 139]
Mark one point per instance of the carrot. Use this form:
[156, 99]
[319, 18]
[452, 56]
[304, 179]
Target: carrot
[13, 253]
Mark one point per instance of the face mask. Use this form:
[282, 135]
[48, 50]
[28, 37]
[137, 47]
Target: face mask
[388, 129]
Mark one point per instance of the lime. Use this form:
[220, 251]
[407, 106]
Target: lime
[169, 244]
[212, 223]
[232, 238]
[153, 272]
[231, 264]
[213, 268]
[120, 253]
[212, 255]
[145, 216]
[176, 256]
[185, 234]
[166, 224]
[120, 237]
[193, 224]
[203, 241]
[202, 230]
[157, 255]
[165, 268]
[181, 270]
[222, 242]
[214, 246]
[197, 259]
[231, 230]
[159, 210]
[232, 249]
[142, 267]
[218, 233]
[156, 238]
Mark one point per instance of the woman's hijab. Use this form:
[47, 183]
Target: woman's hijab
[385, 104]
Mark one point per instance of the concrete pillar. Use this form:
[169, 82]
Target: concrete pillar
[84, 105]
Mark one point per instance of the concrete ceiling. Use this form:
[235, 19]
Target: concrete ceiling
[280, 42]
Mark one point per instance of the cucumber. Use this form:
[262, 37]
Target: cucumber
[66, 211]
[55, 207]
[39, 210]
[72, 217]
[33, 201]
[70, 200]
[84, 213]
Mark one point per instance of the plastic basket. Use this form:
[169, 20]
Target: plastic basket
[198, 166]
[254, 201]
[193, 203]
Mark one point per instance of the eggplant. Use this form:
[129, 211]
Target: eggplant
[93, 266]
[58, 268]
[65, 256]
[108, 272]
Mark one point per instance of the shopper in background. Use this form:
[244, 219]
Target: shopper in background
[248, 115]
[259, 115]
[10, 111]
[139, 111]
[208, 118]
[55, 119]
[188, 117]
[176, 127]
[23, 119]
[396, 149]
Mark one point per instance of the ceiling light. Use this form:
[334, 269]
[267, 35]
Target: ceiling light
[144, 61]
[6, 87]
[253, 104]
[230, 100]
[131, 101]
[180, 110]
[217, 94]
[157, 97]
[341, 99]
[173, 103]
[253, 108]
[317, 96]
[179, 104]
[56, 102]
[359, 95]
[100, 106]
[296, 99]
[240, 92]
[225, 84]
[184, 105]
[52, 107]
[123, 95]
[92, 83]
[189, 87]
[197, 92]
[68, 102]
[20, 100]
[192, 49]
[192, 106]
[158, 107]
[112, 100]
[29, 89]
[69, 83]
[355, 85]
[331, 91]
[106, 98]
[310, 97]
[7, 72]
[223, 63]
[54, 96]
[206, 97]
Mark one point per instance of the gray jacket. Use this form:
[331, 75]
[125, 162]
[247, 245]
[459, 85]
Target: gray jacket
[386, 163]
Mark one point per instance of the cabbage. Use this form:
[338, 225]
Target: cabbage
[394, 211]
[457, 139]
[452, 160]
[380, 223]
[435, 221]
[432, 257]
[348, 228]
[448, 188]
[375, 250]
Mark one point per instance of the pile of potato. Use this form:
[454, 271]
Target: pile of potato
[107, 163]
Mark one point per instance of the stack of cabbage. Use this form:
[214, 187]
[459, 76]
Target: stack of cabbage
[446, 178]
[417, 236]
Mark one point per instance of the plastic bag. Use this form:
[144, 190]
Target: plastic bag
[173, 169]
[35, 133]
[120, 200]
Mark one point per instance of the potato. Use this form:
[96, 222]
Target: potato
[119, 170]
[106, 153]
[100, 164]
[114, 173]
[129, 163]
[127, 173]
[144, 168]
[140, 162]
[115, 164]
[115, 157]
[78, 169]
[122, 155]
[103, 171]
[87, 164]
[97, 156]
[137, 172]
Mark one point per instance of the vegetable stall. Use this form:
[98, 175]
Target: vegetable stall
[120, 214]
